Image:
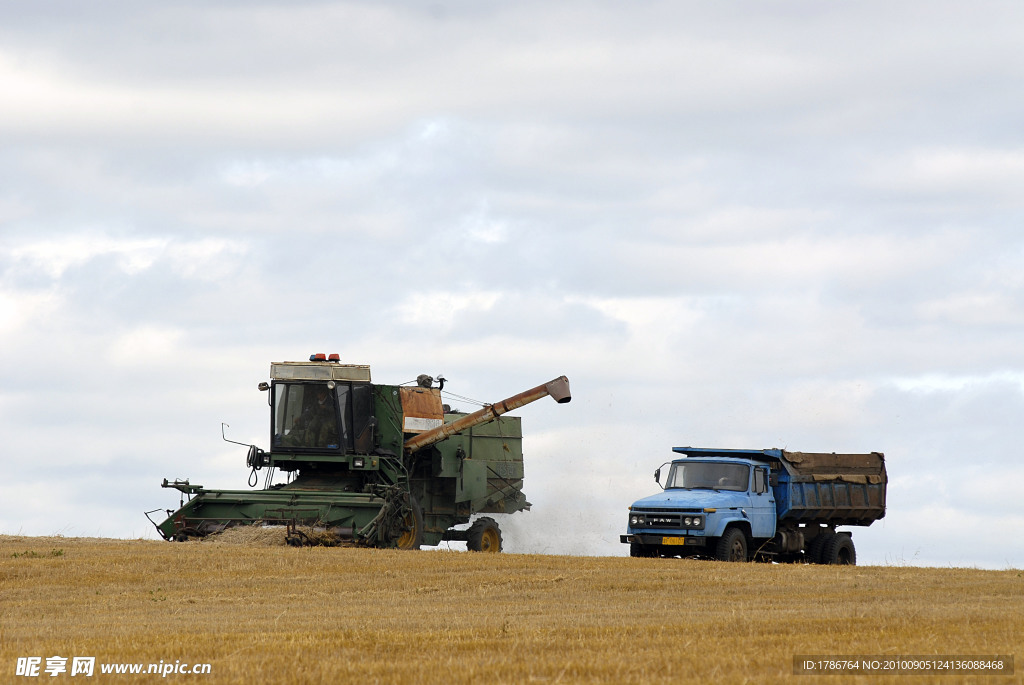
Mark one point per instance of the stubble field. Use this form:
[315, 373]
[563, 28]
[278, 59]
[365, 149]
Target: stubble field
[274, 614]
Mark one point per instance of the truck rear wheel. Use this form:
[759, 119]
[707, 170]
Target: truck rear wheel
[817, 545]
[839, 549]
[732, 546]
[484, 536]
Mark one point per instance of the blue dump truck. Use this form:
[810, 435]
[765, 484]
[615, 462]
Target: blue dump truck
[765, 505]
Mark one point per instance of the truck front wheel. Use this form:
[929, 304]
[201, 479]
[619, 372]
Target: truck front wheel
[732, 546]
[638, 550]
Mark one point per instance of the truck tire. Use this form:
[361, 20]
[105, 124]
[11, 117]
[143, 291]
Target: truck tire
[732, 546]
[815, 546]
[839, 550]
[638, 550]
[484, 536]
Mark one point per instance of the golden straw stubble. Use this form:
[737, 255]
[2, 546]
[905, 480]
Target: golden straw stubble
[259, 611]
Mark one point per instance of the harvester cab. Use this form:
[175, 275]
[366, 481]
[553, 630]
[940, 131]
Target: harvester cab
[320, 411]
[379, 465]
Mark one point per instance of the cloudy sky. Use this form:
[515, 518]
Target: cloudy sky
[773, 224]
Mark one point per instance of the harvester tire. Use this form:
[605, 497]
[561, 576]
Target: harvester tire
[484, 536]
[412, 521]
[839, 550]
[732, 546]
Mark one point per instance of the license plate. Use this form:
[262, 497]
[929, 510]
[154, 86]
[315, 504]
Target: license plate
[673, 541]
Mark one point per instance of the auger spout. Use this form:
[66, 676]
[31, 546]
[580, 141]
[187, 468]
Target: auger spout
[557, 388]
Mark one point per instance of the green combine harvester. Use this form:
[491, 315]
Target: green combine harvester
[368, 464]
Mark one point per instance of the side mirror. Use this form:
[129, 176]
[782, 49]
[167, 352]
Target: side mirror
[657, 475]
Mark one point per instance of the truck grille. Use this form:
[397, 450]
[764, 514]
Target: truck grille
[663, 518]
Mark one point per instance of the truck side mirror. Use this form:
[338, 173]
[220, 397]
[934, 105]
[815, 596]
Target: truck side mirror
[657, 475]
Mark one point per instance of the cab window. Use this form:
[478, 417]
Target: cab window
[760, 481]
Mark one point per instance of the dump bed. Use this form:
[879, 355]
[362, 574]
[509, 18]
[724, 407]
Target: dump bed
[832, 489]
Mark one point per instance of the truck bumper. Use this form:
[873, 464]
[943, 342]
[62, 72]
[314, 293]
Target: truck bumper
[671, 540]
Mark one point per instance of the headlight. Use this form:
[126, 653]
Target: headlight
[688, 521]
[634, 520]
[696, 520]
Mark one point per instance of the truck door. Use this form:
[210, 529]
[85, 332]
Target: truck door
[762, 505]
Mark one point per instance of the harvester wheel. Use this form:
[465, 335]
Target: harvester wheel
[839, 550]
[412, 522]
[484, 536]
[732, 546]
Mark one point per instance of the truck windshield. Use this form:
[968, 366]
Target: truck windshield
[705, 475]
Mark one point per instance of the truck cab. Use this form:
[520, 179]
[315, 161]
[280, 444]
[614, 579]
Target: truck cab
[734, 505]
[703, 497]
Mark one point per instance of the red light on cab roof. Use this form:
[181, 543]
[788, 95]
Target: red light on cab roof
[319, 357]
[334, 358]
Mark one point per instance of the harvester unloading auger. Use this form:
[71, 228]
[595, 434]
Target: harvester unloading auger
[377, 465]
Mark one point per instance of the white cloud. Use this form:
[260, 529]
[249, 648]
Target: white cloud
[989, 172]
[40, 98]
[55, 256]
[438, 308]
[480, 226]
[248, 173]
[944, 382]
[146, 344]
[18, 308]
[975, 309]
[206, 258]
